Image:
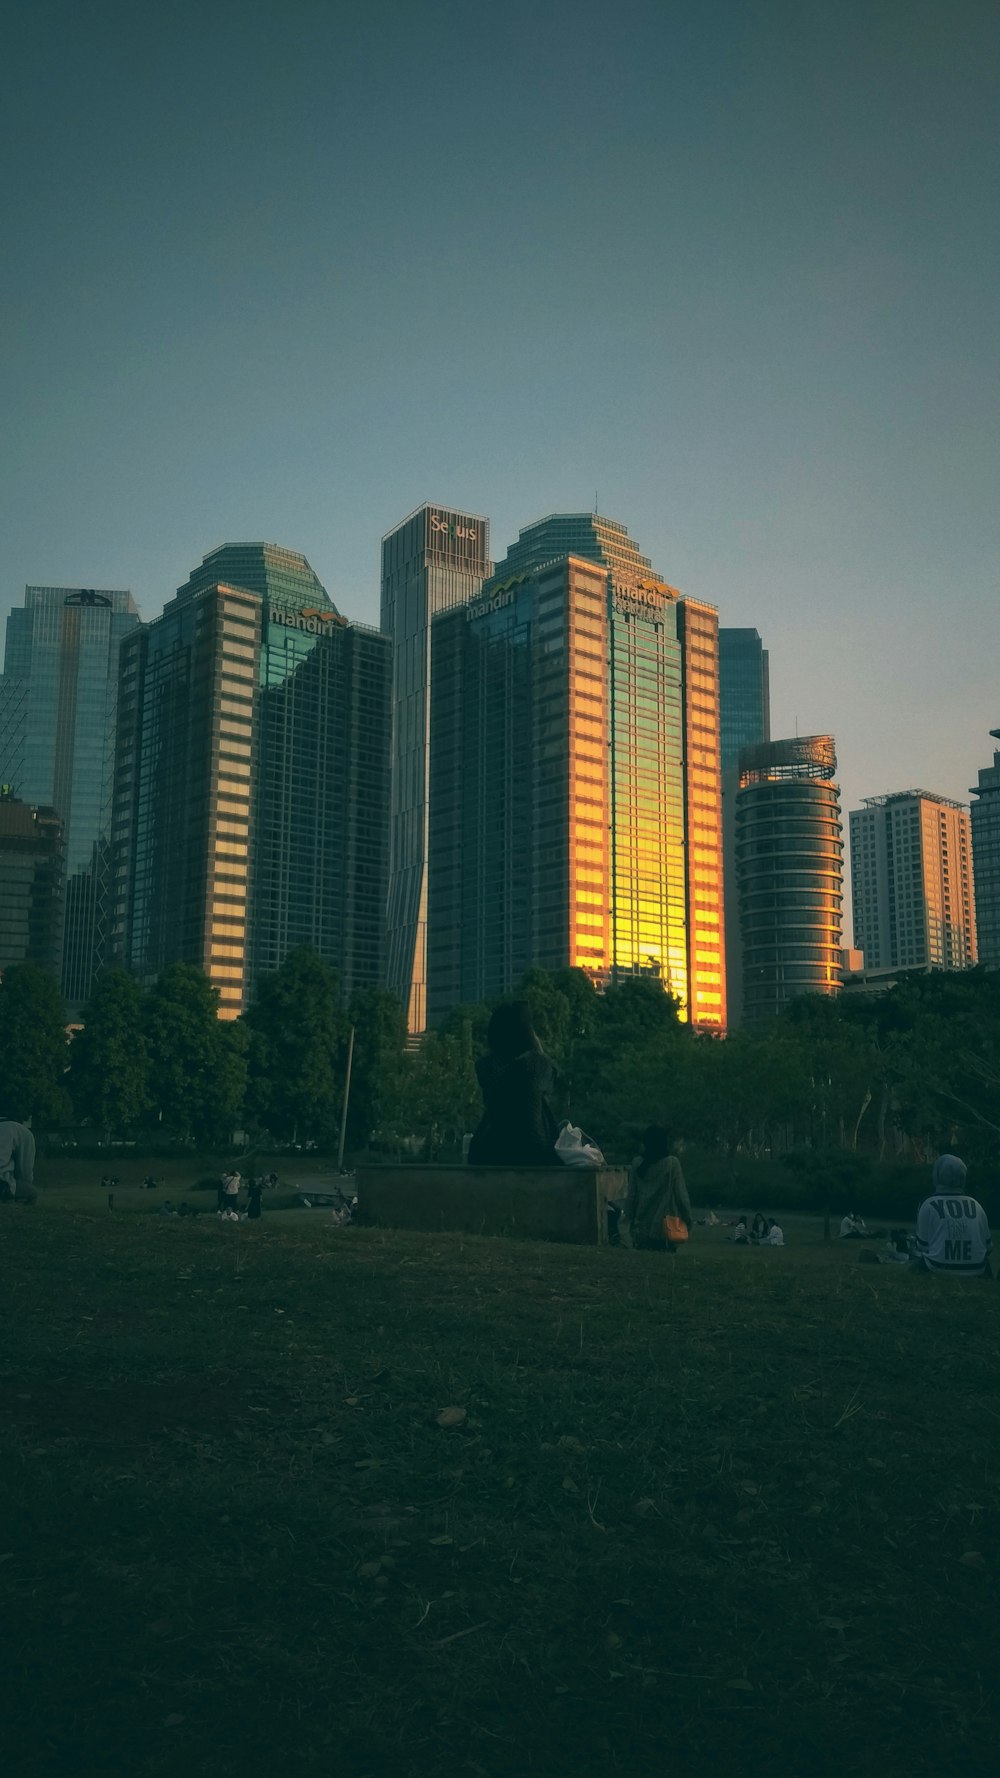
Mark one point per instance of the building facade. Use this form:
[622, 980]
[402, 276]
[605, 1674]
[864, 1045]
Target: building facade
[435, 559]
[744, 694]
[789, 873]
[57, 727]
[31, 884]
[985, 823]
[574, 776]
[251, 783]
[912, 884]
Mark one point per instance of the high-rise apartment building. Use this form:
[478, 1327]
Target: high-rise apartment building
[57, 725]
[436, 558]
[912, 886]
[252, 778]
[31, 884]
[744, 694]
[574, 777]
[985, 820]
[789, 874]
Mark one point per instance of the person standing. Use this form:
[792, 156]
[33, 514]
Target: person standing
[658, 1192]
[953, 1231]
[254, 1205]
[17, 1163]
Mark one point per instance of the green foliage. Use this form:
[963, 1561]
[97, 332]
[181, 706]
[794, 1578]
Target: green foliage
[109, 1061]
[298, 1039]
[377, 1064]
[197, 1063]
[34, 1051]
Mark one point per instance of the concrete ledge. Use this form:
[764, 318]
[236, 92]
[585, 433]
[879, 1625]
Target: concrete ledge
[536, 1203]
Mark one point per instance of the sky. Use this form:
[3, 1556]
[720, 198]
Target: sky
[285, 271]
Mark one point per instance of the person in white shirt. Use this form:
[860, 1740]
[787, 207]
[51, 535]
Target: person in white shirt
[775, 1236]
[953, 1233]
[853, 1228]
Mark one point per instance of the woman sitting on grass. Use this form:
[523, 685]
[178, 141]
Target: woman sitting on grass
[657, 1191]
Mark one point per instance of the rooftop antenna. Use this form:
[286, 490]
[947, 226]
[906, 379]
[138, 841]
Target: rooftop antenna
[595, 503]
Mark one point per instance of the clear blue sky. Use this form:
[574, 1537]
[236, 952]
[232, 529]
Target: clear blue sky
[285, 271]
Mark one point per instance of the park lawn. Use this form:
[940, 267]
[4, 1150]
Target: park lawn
[731, 1512]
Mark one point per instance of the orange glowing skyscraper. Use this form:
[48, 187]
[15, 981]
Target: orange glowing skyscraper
[574, 776]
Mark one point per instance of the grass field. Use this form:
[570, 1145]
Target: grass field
[732, 1512]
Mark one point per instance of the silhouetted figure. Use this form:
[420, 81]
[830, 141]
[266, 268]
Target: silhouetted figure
[254, 1206]
[658, 1190]
[518, 1126]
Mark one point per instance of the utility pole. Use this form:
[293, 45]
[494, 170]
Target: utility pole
[347, 1095]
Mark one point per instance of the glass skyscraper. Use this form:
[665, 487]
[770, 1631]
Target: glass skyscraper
[744, 693]
[789, 871]
[574, 776]
[31, 885]
[251, 785]
[57, 726]
[436, 558]
[985, 817]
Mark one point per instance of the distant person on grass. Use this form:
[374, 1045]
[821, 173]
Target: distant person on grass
[775, 1236]
[853, 1227]
[254, 1206]
[658, 1204]
[17, 1163]
[741, 1233]
[953, 1231]
[516, 1078]
[758, 1228]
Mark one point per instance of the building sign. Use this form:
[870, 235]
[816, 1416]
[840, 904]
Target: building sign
[313, 622]
[499, 596]
[455, 533]
[645, 600]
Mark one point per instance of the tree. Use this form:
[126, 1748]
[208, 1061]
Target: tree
[297, 1050]
[108, 1059]
[33, 1046]
[197, 1063]
[377, 1064]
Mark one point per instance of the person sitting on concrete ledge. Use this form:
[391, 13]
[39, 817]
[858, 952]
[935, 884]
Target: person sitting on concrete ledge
[518, 1126]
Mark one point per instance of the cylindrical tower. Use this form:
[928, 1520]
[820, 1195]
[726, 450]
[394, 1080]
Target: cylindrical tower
[789, 872]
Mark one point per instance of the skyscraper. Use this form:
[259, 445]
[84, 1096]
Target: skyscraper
[574, 775]
[985, 819]
[744, 694]
[58, 724]
[31, 884]
[789, 873]
[911, 876]
[251, 784]
[744, 721]
[434, 559]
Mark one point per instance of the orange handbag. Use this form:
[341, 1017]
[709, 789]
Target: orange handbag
[674, 1229]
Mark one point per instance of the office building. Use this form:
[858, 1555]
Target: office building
[744, 721]
[57, 722]
[435, 559]
[985, 820]
[251, 783]
[911, 879]
[789, 873]
[31, 884]
[744, 694]
[574, 776]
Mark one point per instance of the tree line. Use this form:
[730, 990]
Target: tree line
[896, 1075]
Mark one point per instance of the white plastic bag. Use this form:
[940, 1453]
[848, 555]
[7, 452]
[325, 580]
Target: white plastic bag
[574, 1150]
